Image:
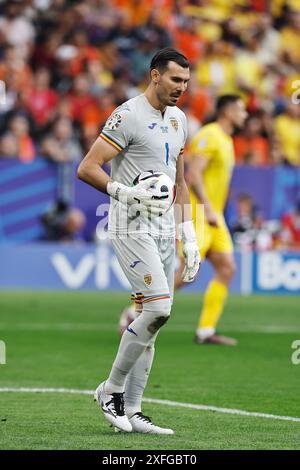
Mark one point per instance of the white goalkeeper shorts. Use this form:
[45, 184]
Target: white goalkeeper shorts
[148, 264]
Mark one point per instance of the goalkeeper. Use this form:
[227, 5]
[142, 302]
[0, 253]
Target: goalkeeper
[146, 132]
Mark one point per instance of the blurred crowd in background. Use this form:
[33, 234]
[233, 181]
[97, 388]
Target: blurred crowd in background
[67, 64]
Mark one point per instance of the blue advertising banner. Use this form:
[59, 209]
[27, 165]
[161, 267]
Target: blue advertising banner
[28, 190]
[276, 273]
[274, 190]
[44, 266]
[76, 267]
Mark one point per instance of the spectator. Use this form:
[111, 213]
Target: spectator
[217, 70]
[17, 28]
[41, 100]
[80, 97]
[289, 41]
[44, 52]
[8, 146]
[188, 39]
[250, 146]
[63, 223]
[248, 229]
[287, 131]
[14, 70]
[290, 229]
[61, 145]
[19, 129]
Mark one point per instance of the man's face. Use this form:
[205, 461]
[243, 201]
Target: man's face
[237, 113]
[171, 84]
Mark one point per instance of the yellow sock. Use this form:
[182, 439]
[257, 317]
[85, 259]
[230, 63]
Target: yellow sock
[214, 300]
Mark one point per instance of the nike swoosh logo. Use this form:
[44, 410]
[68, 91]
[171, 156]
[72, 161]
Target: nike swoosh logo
[131, 331]
[108, 412]
[133, 265]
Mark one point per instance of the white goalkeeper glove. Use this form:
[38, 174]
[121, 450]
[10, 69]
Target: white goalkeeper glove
[190, 250]
[139, 194]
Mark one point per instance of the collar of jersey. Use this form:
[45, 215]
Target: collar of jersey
[155, 111]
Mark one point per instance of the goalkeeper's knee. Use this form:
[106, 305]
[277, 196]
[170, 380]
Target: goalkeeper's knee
[156, 314]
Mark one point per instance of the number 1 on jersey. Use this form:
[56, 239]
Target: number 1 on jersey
[167, 153]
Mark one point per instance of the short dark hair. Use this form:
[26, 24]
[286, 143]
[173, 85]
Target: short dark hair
[224, 100]
[164, 56]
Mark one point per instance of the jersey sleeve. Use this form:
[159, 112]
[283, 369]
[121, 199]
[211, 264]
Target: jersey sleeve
[204, 144]
[183, 120]
[185, 128]
[119, 128]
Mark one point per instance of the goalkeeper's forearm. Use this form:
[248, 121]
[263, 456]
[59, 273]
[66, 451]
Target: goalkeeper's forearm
[94, 175]
[183, 210]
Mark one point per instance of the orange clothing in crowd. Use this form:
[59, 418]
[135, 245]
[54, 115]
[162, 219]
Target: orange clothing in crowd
[19, 78]
[139, 11]
[85, 55]
[254, 151]
[191, 45]
[94, 115]
[26, 151]
[200, 104]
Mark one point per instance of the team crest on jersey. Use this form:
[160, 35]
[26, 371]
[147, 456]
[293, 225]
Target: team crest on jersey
[148, 279]
[114, 121]
[174, 123]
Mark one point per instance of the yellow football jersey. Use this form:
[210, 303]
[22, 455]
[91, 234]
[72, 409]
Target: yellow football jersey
[288, 132]
[213, 143]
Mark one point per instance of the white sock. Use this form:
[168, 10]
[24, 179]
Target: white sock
[135, 340]
[131, 347]
[137, 381]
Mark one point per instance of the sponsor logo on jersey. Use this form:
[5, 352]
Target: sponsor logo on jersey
[133, 265]
[174, 123]
[164, 129]
[152, 125]
[131, 330]
[114, 121]
[148, 279]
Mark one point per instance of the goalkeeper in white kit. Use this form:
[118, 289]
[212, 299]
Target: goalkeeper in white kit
[146, 133]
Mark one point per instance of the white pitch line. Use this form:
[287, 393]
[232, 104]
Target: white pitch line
[192, 406]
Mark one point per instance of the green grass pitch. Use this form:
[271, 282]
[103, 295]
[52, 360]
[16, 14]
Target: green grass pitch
[69, 340]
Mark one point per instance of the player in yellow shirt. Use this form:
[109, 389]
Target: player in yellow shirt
[210, 169]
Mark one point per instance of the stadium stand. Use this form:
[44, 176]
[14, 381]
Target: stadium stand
[66, 65]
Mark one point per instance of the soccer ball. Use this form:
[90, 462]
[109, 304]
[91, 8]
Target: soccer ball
[162, 187]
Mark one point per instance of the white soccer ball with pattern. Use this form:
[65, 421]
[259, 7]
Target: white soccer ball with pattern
[162, 188]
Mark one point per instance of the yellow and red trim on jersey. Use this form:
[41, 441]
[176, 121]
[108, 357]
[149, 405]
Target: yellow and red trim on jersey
[152, 298]
[139, 298]
[111, 141]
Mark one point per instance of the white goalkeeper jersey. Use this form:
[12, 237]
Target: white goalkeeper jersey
[146, 140]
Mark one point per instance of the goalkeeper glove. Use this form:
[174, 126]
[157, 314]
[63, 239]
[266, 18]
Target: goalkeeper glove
[139, 194]
[190, 250]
